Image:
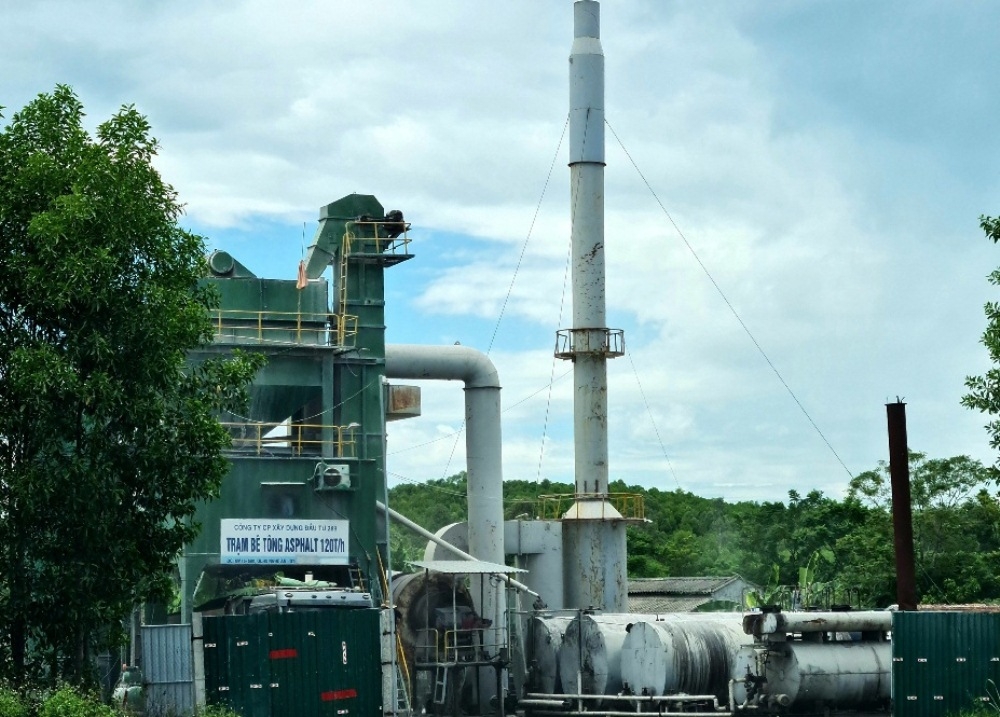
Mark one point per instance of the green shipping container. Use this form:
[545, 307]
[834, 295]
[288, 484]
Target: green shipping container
[944, 662]
[322, 663]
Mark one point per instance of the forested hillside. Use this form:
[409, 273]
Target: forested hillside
[819, 544]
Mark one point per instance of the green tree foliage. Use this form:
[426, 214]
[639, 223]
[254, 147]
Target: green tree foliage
[107, 437]
[954, 531]
[984, 391]
[811, 550]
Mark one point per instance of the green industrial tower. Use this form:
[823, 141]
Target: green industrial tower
[308, 458]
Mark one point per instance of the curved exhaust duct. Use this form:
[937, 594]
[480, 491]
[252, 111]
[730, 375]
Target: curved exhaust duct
[482, 431]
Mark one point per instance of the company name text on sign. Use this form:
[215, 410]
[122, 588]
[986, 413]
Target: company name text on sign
[284, 542]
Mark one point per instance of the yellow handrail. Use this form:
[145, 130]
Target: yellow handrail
[300, 437]
[295, 327]
[631, 506]
[400, 652]
[384, 244]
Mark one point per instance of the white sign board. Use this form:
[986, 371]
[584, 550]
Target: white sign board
[284, 542]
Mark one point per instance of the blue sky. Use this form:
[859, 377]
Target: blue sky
[827, 161]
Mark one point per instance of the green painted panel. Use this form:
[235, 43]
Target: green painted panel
[294, 667]
[314, 663]
[352, 684]
[944, 662]
[236, 669]
[215, 657]
[277, 297]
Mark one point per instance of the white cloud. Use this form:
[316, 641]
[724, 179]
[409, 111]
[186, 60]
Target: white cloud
[827, 163]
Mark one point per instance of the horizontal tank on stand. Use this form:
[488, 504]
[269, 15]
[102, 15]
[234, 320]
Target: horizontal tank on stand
[694, 656]
[590, 659]
[811, 661]
[833, 675]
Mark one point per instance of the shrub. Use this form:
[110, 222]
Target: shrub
[214, 711]
[67, 702]
[11, 704]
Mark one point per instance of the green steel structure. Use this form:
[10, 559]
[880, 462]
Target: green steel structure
[322, 662]
[945, 663]
[308, 455]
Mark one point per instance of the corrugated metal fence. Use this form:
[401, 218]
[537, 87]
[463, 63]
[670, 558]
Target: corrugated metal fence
[944, 662]
[168, 670]
[301, 664]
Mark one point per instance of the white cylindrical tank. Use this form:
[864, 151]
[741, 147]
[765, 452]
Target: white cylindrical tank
[546, 639]
[694, 656]
[591, 653]
[592, 647]
[836, 675]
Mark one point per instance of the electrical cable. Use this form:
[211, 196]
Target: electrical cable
[548, 398]
[510, 287]
[652, 420]
[531, 228]
[725, 299]
[458, 432]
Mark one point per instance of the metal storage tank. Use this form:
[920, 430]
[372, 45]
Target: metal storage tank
[593, 645]
[546, 638]
[692, 656]
[841, 675]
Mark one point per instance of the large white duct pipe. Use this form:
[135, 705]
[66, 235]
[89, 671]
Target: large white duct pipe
[482, 431]
[482, 452]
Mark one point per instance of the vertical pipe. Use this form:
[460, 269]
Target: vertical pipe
[586, 133]
[485, 500]
[483, 442]
[902, 520]
[390, 686]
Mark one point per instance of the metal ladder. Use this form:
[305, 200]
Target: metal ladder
[518, 662]
[357, 577]
[440, 685]
[341, 308]
[402, 694]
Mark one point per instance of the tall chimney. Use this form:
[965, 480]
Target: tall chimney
[902, 517]
[593, 530]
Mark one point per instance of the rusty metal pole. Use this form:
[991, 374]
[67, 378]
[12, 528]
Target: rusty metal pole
[902, 519]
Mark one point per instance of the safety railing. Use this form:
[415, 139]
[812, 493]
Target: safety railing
[377, 237]
[296, 438]
[476, 644]
[630, 506]
[285, 327]
[571, 343]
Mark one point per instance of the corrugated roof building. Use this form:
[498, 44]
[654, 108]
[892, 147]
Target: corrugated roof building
[653, 595]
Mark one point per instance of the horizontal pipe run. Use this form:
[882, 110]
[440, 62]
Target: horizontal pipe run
[628, 698]
[623, 713]
[442, 363]
[632, 698]
[769, 623]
